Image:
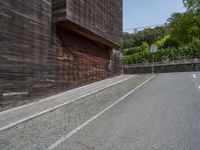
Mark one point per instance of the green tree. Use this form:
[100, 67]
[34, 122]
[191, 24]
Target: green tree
[192, 5]
[145, 47]
[148, 36]
[160, 43]
[185, 26]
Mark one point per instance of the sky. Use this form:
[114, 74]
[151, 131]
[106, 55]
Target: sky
[139, 13]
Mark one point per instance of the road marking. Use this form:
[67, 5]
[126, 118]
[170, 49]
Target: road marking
[194, 76]
[11, 125]
[199, 86]
[61, 94]
[53, 146]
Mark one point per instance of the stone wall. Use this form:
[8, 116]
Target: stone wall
[163, 68]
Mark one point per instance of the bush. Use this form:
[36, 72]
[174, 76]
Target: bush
[160, 43]
[145, 47]
[139, 57]
[192, 50]
[132, 51]
[171, 43]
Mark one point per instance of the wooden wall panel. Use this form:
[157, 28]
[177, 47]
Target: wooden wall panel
[25, 40]
[83, 61]
[39, 59]
[102, 17]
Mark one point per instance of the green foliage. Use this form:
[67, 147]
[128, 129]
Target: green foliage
[192, 5]
[139, 57]
[160, 43]
[148, 36]
[194, 48]
[145, 46]
[133, 50]
[191, 50]
[186, 26]
[183, 27]
[171, 43]
[178, 40]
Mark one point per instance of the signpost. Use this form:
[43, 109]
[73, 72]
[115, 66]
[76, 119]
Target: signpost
[154, 49]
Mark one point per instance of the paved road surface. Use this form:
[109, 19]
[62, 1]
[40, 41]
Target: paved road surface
[164, 114]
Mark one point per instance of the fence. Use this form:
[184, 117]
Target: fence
[164, 62]
[184, 65]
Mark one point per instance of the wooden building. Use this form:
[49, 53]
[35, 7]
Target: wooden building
[49, 46]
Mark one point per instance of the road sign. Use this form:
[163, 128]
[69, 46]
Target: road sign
[154, 49]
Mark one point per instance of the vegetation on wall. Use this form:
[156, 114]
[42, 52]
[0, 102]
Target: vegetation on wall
[179, 39]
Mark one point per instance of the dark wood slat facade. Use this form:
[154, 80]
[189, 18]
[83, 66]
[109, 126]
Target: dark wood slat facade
[42, 53]
[102, 17]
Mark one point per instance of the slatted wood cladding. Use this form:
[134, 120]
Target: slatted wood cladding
[39, 59]
[82, 60]
[102, 17]
[25, 46]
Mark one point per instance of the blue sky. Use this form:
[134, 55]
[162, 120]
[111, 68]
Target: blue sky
[139, 13]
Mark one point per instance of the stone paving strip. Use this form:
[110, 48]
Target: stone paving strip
[19, 113]
[40, 124]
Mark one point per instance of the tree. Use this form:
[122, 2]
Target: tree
[145, 47]
[147, 35]
[186, 26]
[192, 5]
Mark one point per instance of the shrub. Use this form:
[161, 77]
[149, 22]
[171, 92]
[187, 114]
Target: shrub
[192, 50]
[145, 47]
[132, 51]
[160, 43]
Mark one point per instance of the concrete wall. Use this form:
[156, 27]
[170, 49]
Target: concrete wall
[163, 68]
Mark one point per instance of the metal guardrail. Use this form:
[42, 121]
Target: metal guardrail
[164, 63]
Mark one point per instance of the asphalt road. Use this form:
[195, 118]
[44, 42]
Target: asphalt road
[163, 114]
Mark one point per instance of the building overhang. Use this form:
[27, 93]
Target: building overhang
[86, 33]
[100, 21]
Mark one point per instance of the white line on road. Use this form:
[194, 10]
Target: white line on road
[53, 108]
[199, 86]
[53, 146]
[194, 76]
